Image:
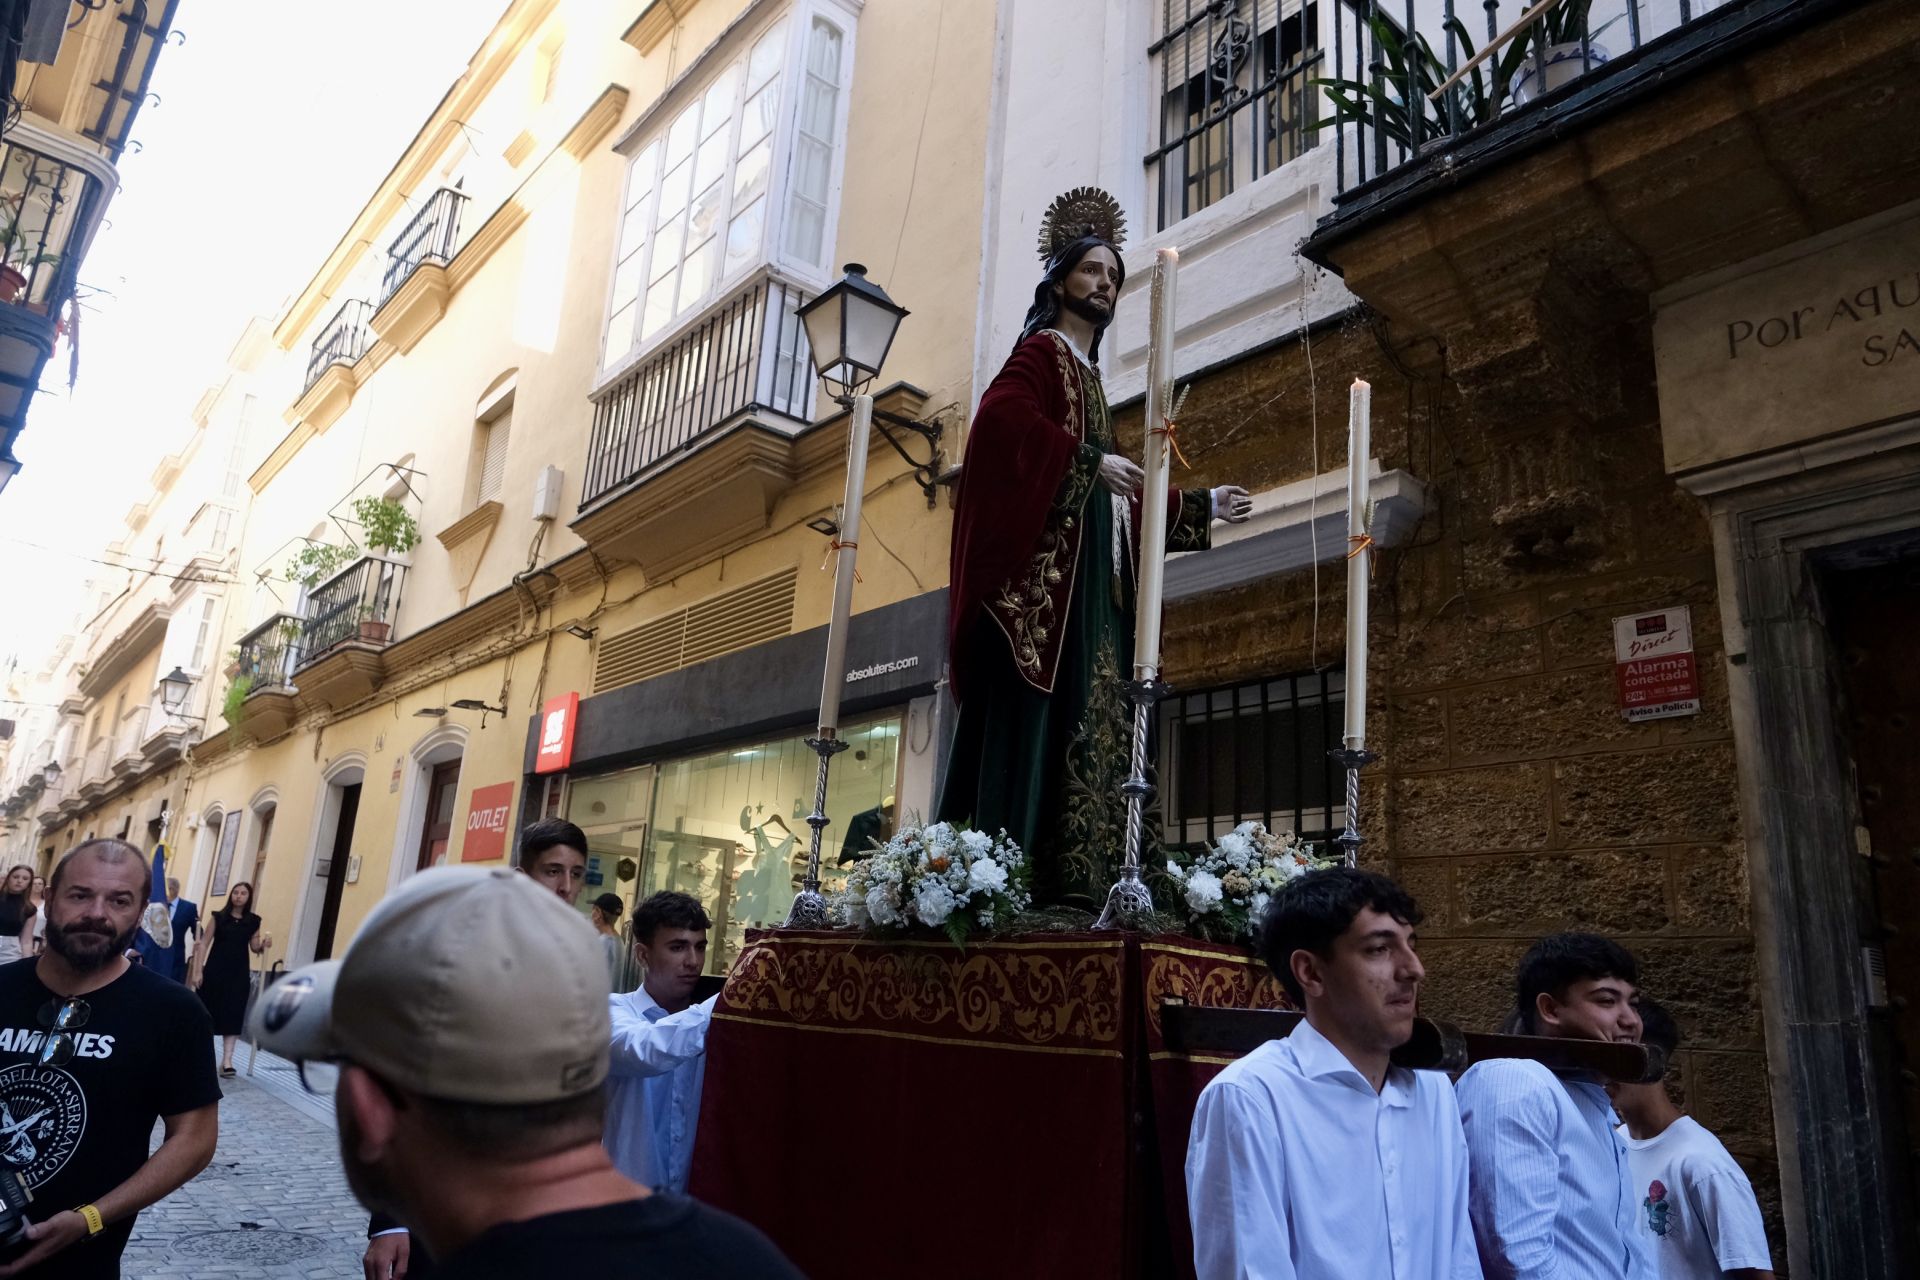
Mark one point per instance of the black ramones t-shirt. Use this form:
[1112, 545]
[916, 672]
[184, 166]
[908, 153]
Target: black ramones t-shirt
[662, 1237]
[78, 1131]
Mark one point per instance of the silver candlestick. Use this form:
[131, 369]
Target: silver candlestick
[1352, 759]
[809, 910]
[1129, 895]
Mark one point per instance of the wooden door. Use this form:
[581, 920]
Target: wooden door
[437, 832]
[1874, 616]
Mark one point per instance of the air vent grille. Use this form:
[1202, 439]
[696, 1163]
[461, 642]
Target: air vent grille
[738, 619]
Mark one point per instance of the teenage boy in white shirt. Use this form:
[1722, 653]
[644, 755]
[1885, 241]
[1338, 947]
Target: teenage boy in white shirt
[1698, 1216]
[1552, 1196]
[1313, 1157]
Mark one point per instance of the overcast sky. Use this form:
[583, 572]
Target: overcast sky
[274, 120]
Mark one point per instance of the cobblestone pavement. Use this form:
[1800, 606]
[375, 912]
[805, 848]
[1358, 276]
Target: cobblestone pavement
[273, 1205]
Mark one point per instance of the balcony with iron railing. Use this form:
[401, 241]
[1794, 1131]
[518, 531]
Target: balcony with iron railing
[431, 237]
[1437, 107]
[342, 340]
[747, 358]
[52, 197]
[127, 758]
[269, 653]
[360, 604]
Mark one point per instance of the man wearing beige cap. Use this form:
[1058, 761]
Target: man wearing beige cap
[469, 1021]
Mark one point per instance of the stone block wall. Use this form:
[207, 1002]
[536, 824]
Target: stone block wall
[1512, 798]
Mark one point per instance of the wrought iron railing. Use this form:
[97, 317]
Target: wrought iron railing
[1395, 107]
[749, 355]
[432, 236]
[270, 652]
[43, 201]
[1253, 752]
[1236, 99]
[343, 341]
[360, 602]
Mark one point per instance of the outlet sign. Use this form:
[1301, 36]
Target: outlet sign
[558, 718]
[488, 812]
[1653, 665]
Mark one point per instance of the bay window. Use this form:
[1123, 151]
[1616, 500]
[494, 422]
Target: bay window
[736, 173]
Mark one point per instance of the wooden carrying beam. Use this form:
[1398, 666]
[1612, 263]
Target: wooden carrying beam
[1435, 1046]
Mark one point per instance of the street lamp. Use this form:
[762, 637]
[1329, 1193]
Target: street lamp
[174, 687]
[850, 328]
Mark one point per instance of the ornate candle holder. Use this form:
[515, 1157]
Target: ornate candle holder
[1352, 759]
[1129, 895]
[809, 910]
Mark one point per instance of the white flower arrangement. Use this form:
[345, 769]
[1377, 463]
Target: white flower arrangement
[943, 876]
[1226, 888]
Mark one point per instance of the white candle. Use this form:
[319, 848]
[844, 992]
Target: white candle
[859, 432]
[1359, 447]
[1153, 489]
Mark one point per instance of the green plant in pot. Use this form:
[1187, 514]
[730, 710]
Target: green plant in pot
[236, 695]
[315, 562]
[373, 628]
[1382, 106]
[386, 525]
[17, 252]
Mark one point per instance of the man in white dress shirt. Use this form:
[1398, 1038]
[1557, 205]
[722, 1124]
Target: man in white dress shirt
[1313, 1157]
[1698, 1215]
[659, 1045]
[1552, 1194]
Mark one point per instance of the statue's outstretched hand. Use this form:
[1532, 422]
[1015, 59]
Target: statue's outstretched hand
[1120, 476]
[1232, 504]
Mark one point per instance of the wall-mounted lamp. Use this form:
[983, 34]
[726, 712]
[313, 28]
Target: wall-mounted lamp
[579, 632]
[174, 687]
[825, 526]
[474, 704]
[431, 713]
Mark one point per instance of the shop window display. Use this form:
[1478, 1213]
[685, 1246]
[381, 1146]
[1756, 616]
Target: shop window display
[729, 826]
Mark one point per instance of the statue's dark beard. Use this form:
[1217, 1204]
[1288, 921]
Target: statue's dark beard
[1086, 308]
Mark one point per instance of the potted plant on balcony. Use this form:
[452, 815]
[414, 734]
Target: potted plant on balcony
[236, 695]
[386, 524]
[17, 255]
[1556, 34]
[373, 629]
[315, 562]
[1559, 49]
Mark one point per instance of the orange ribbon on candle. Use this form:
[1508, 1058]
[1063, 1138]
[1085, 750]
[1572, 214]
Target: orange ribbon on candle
[1359, 542]
[833, 545]
[1171, 430]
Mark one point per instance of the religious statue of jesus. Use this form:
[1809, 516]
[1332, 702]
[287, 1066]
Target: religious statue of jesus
[1045, 558]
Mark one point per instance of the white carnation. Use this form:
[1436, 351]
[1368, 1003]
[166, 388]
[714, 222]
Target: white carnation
[1257, 905]
[880, 906]
[934, 903]
[1203, 891]
[1236, 847]
[987, 876]
[976, 843]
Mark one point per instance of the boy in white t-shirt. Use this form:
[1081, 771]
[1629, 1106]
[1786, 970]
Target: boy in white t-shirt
[1697, 1211]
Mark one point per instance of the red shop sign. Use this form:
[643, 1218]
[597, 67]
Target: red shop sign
[487, 814]
[557, 720]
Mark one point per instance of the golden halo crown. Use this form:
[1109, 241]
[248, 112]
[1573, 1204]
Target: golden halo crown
[1083, 211]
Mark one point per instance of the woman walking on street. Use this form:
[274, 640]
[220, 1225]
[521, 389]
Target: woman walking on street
[38, 930]
[16, 914]
[222, 958]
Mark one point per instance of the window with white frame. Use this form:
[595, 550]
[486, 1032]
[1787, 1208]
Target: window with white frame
[202, 632]
[743, 173]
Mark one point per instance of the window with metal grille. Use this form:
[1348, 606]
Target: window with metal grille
[1235, 98]
[1253, 752]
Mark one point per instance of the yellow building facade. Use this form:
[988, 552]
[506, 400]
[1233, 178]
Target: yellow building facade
[557, 352]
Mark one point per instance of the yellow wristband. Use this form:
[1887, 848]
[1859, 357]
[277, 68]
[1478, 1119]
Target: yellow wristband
[95, 1223]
